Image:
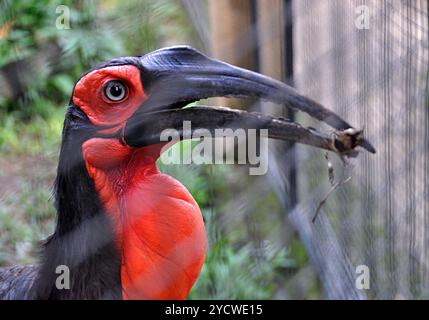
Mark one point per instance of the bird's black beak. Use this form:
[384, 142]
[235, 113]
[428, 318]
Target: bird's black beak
[176, 76]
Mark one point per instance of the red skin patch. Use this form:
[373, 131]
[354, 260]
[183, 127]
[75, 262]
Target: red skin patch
[89, 95]
[158, 225]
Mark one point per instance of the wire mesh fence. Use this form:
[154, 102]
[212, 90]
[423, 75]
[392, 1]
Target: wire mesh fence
[376, 75]
[368, 61]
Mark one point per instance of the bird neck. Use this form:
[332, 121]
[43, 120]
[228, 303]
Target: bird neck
[158, 227]
[83, 240]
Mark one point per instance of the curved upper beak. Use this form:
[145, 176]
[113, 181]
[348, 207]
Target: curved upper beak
[176, 76]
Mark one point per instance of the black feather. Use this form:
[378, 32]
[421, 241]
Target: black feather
[83, 238]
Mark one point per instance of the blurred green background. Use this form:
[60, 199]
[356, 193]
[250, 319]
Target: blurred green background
[38, 67]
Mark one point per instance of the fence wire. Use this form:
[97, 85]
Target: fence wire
[376, 77]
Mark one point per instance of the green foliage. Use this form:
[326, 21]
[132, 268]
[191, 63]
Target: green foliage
[41, 136]
[32, 25]
[27, 21]
[46, 61]
[239, 273]
[23, 233]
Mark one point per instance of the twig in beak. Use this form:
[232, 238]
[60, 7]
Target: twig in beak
[146, 128]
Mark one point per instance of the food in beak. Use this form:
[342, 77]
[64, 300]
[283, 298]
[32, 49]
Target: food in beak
[182, 75]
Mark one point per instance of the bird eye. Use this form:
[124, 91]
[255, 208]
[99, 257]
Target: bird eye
[115, 90]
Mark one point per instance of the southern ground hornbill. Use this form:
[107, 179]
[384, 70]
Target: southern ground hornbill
[125, 230]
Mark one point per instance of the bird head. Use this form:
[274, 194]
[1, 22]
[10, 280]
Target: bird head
[126, 98]
[111, 140]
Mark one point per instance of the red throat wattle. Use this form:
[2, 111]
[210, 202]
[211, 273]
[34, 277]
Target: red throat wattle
[158, 226]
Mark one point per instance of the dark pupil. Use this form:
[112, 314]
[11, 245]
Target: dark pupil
[116, 90]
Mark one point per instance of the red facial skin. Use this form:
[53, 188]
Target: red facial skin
[158, 225]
